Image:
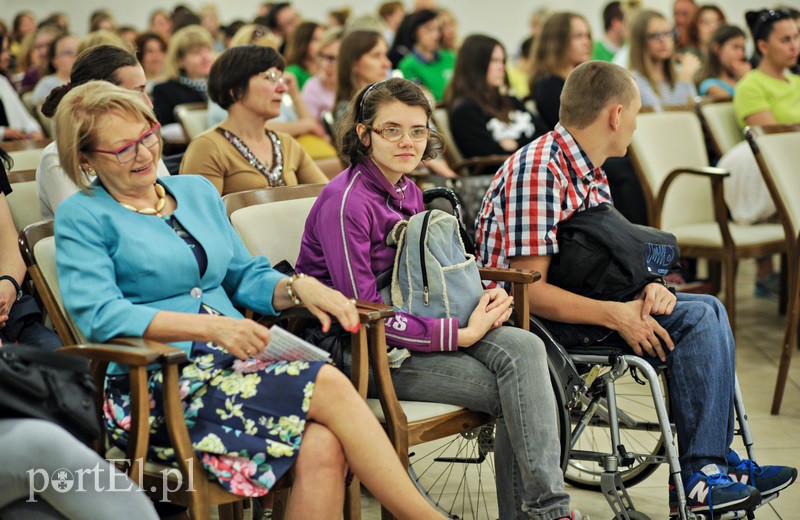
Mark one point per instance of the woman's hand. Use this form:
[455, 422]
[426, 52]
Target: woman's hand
[690, 64]
[241, 337]
[321, 300]
[484, 319]
[291, 84]
[740, 68]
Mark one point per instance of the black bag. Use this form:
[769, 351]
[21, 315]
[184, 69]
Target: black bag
[605, 257]
[56, 387]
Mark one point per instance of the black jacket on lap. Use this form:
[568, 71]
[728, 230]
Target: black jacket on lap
[168, 95]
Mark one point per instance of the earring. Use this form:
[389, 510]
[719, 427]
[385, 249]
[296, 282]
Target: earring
[90, 171]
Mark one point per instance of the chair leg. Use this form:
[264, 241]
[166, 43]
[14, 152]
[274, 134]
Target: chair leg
[715, 276]
[279, 506]
[790, 337]
[352, 501]
[730, 268]
[228, 511]
[783, 300]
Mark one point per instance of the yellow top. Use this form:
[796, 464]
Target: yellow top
[757, 92]
[211, 155]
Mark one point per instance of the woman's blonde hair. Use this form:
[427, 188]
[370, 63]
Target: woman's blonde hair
[639, 61]
[101, 37]
[551, 48]
[180, 44]
[254, 34]
[79, 115]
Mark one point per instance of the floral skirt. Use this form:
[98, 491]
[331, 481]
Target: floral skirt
[245, 418]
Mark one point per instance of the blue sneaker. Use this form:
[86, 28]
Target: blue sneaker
[767, 479]
[712, 491]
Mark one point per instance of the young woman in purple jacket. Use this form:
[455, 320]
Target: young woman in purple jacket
[481, 365]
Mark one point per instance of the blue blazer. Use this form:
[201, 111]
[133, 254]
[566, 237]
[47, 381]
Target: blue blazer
[117, 268]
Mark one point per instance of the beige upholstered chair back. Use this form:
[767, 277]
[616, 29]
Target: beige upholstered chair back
[24, 204]
[274, 229]
[663, 142]
[193, 117]
[441, 119]
[26, 159]
[44, 252]
[779, 152]
[721, 122]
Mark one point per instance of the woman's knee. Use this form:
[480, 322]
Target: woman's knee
[521, 347]
[320, 450]
[330, 387]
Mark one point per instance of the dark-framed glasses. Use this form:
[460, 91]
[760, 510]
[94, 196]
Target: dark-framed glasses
[658, 36]
[130, 151]
[395, 133]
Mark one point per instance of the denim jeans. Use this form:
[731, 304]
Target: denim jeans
[504, 374]
[702, 371]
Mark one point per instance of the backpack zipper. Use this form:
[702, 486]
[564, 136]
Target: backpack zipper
[422, 234]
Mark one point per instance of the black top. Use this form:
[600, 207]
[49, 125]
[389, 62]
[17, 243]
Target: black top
[478, 133]
[168, 95]
[547, 95]
[5, 186]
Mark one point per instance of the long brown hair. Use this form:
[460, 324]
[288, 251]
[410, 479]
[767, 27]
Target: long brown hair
[297, 46]
[552, 46]
[639, 61]
[469, 77]
[712, 66]
[693, 33]
[354, 45]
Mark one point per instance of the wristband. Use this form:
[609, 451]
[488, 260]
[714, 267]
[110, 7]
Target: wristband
[16, 285]
[292, 295]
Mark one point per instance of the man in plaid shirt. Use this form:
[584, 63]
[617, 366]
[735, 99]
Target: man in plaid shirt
[545, 183]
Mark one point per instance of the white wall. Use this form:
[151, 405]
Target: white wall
[506, 20]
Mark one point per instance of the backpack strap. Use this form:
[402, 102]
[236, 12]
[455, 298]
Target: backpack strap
[397, 237]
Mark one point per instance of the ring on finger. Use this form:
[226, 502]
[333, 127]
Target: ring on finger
[352, 301]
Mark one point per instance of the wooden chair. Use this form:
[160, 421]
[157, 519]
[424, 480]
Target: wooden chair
[38, 249]
[25, 144]
[26, 159]
[719, 122]
[193, 118]
[775, 148]
[452, 155]
[670, 158]
[23, 200]
[267, 228]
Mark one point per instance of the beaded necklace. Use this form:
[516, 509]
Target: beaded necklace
[162, 200]
[274, 175]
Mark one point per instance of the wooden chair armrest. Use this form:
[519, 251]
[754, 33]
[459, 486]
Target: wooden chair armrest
[716, 176]
[169, 355]
[494, 274]
[124, 355]
[368, 312]
[707, 171]
[483, 161]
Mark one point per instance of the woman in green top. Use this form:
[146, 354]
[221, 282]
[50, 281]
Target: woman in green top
[428, 64]
[301, 51]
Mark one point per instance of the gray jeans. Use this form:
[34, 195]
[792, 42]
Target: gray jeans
[32, 448]
[504, 374]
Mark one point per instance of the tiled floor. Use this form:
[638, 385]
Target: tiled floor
[759, 338]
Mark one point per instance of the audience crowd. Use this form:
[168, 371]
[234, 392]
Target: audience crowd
[363, 105]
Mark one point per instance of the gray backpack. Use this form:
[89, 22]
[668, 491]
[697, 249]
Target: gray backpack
[433, 275]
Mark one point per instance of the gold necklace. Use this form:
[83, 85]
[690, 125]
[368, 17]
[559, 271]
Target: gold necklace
[162, 201]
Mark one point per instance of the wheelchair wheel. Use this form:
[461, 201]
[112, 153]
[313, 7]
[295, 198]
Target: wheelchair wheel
[639, 431]
[457, 474]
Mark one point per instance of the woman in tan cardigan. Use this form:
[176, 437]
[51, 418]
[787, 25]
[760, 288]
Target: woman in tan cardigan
[240, 154]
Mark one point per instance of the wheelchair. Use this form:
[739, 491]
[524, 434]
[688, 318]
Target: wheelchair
[613, 417]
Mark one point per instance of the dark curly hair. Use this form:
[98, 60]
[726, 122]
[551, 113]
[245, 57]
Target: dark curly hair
[363, 109]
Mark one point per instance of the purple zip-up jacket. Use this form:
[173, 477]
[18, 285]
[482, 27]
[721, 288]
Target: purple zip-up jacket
[344, 247]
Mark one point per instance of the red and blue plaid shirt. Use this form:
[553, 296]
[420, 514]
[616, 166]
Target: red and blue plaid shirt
[540, 185]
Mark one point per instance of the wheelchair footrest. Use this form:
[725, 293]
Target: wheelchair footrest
[617, 496]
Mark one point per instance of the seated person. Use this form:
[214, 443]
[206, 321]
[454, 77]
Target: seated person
[483, 120]
[240, 154]
[105, 63]
[15, 120]
[319, 92]
[301, 51]
[688, 332]
[34, 445]
[564, 43]
[157, 258]
[724, 65]
[768, 95]
[481, 364]
[60, 58]
[189, 58]
[20, 317]
[651, 62]
[705, 21]
[427, 63]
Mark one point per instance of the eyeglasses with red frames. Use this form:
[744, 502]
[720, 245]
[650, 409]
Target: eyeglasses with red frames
[130, 151]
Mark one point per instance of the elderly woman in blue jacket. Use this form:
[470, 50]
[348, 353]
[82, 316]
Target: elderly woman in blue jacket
[157, 258]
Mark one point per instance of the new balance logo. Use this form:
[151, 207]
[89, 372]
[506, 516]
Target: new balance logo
[699, 492]
[739, 478]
